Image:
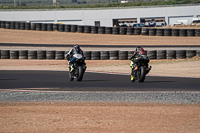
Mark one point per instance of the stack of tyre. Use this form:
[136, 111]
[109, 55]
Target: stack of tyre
[99, 29]
[97, 55]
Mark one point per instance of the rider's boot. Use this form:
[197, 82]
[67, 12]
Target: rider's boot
[132, 76]
[85, 67]
[71, 67]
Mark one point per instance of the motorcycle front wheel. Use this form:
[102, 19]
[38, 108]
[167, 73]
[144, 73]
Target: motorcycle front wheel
[80, 73]
[142, 74]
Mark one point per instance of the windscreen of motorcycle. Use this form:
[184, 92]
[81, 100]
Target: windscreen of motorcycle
[78, 56]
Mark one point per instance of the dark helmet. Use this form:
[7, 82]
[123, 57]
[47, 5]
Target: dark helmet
[139, 49]
[77, 48]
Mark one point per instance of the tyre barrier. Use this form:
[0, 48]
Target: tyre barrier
[17, 25]
[198, 53]
[32, 54]
[145, 31]
[190, 53]
[160, 32]
[7, 25]
[104, 55]
[67, 28]
[33, 26]
[152, 54]
[61, 28]
[197, 32]
[123, 55]
[49, 27]
[88, 55]
[113, 55]
[74, 28]
[38, 26]
[50, 55]
[22, 26]
[175, 32]
[55, 27]
[3, 24]
[80, 29]
[5, 54]
[180, 54]
[87, 29]
[94, 29]
[27, 26]
[14, 54]
[137, 31]
[122, 30]
[97, 55]
[171, 54]
[130, 31]
[108, 30]
[167, 32]
[182, 32]
[152, 31]
[115, 30]
[59, 55]
[23, 54]
[161, 54]
[41, 54]
[12, 25]
[101, 30]
[190, 32]
[44, 27]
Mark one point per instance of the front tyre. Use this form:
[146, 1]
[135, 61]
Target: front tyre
[80, 73]
[142, 74]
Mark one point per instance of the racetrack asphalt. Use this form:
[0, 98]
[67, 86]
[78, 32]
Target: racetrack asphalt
[59, 81]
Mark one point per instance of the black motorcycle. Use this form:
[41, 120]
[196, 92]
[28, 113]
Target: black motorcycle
[79, 68]
[141, 70]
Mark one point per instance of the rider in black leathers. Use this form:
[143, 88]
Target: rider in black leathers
[136, 57]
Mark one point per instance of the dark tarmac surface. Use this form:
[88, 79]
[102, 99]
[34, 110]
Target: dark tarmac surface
[59, 81]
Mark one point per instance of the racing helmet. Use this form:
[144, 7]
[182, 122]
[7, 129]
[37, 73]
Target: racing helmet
[140, 50]
[77, 48]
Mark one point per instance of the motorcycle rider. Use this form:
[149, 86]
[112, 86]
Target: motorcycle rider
[71, 56]
[139, 51]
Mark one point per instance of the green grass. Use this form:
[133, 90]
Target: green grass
[102, 5]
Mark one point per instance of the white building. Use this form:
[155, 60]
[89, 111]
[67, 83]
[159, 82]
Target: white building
[105, 16]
